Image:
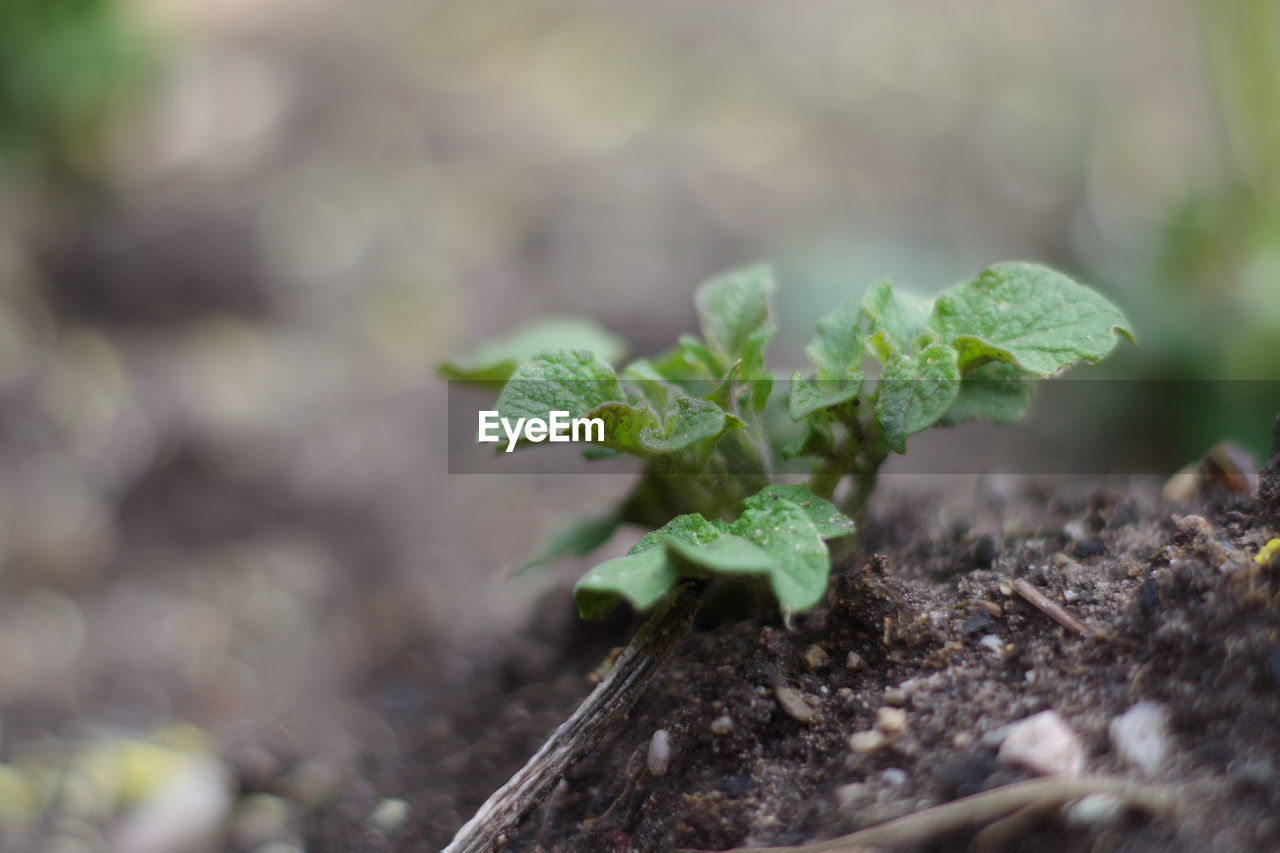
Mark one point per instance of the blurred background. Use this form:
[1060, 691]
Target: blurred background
[236, 238]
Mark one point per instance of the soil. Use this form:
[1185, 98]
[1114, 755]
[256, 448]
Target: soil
[920, 615]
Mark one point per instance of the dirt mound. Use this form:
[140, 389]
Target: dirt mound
[924, 620]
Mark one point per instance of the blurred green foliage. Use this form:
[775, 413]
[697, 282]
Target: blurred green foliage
[1214, 281]
[64, 67]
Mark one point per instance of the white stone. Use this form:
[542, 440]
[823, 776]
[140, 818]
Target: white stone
[894, 777]
[659, 757]
[891, 720]
[722, 725]
[1044, 744]
[865, 743]
[389, 815]
[1141, 736]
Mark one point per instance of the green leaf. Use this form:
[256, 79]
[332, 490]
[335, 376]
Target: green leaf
[493, 362]
[694, 353]
[577, 538]
[728, 554]
[837, 353]
[895, 320]
[815, 440]
[759, 390]
[688, 360]
[826, 516]
[775, 536]
[837, 350]
[801, 564]
[721, 393]
[641, 579]
[641, 380]
[688, 421]
[996, 392]
[807, 396]
[915, 391]
[752, 356]
[688, 368]
[734, 313]
[1029, 316]
[691, 527]
[646, 573]
[575, 381]
[624, 426]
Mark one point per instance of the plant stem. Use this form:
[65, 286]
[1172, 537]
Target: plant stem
[823, 481]
[594, 721]
[864, 483]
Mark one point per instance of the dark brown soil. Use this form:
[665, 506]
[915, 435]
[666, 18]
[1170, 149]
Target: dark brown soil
[921, 615]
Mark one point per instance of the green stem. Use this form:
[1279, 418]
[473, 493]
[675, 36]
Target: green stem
[865, 472]
[825, 478]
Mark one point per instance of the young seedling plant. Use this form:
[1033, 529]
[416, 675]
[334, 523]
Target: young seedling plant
[699, 415]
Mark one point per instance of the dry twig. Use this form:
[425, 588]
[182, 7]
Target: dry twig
[1050, 608]
[985, 807]
[594, 721]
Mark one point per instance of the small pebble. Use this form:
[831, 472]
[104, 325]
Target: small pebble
[896, 696]
[260, 818]
[1006, 589]
[815, 658]
[855, 794]
[962, 740]
[991, 607]
[792, 701]
[1089, 548]
[854, 661]
[891, 720]
[977, 625]
[992, 643]
[659, 757]
[894, 777]
[1141, 736]
[1192, 527]
[722, 725]
[1045, 744]
[865, 743]
[389, 815]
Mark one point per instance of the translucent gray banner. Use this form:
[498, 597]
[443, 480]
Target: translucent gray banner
[1073, 427]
